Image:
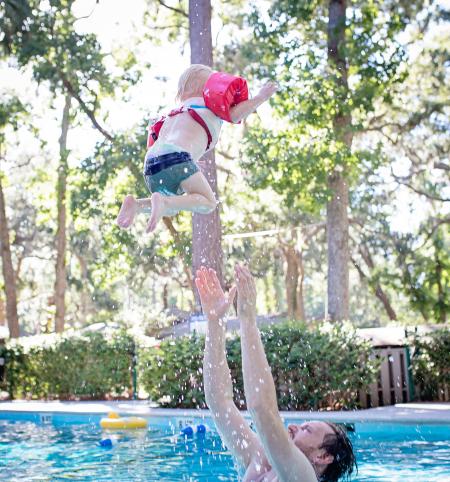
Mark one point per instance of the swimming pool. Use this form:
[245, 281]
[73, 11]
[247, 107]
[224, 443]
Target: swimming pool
[44, 447]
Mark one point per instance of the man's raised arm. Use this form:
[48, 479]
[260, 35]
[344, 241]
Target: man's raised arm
[234, 430]
[288, 461]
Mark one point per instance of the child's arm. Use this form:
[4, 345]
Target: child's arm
[245, 108]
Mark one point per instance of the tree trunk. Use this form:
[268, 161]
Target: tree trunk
[206, 228]
[278, 281]
[300, 308]
[337, 215]
[60, 279]
[85, 299]
[165, 296]
[2, 313]
[9, 277]
[441, 305]
[294, 281]
[268, 294]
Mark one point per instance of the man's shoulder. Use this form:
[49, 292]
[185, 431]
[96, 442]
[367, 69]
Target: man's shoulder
[257, 472]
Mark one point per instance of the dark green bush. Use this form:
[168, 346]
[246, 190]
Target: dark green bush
[311, 369]
[172, 373]
[431, 364]
[68, 367]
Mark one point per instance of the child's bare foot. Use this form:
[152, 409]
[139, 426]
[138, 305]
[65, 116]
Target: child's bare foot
[158, 205]
[127, 212]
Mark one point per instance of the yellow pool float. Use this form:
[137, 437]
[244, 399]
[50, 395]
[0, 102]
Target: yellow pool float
[114, 420]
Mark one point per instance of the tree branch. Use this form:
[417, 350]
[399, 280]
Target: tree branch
[441, 165]
[165, 27]
[89, 14]
[433, 230]
[226, 156]
[178, 10]
[413, 121]
[375, 285]
[316, 228]
[71, 90]
[355, 263]
[421, 192]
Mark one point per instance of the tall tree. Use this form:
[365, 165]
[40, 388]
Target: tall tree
[44, 37]
[2, 312]
[9, 276]
[337, 205]
[206, 229]
[409, 258]
[314, 50]
[61, 236]
[110, 256]
[11, 111]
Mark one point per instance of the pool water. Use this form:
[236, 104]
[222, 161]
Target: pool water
[60, 451]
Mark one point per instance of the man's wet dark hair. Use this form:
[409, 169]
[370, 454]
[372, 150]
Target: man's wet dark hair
[340, 447]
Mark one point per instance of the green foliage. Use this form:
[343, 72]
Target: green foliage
[425, 274]
[43, 34]
[319, 108]
[11, 108]
[431, 364]
[67, 367]
[102, 181]
[312, 369]
[111, 251]
[12, 111]
[399, 111]
[172, 372]
[13, 20]
[108, 160]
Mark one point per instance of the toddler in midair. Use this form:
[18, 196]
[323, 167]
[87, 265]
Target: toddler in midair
[171, 169]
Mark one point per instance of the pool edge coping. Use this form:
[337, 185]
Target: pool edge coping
[431, 413]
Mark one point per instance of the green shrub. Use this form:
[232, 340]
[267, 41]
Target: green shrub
[431, 364]
[67, 367]
[312, 369]
[172, 373]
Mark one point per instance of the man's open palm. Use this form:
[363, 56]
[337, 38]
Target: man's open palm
[215, 302]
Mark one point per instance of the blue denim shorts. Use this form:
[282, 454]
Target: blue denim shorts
[165, 173]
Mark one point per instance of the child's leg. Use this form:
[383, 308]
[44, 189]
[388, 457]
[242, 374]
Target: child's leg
[131, 207]
[199, 198]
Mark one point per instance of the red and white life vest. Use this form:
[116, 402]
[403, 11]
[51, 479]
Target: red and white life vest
[221, 92]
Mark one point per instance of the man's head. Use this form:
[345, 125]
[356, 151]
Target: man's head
[192, 81]
[327, 447]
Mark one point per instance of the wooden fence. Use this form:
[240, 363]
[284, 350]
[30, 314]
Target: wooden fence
[394, 384]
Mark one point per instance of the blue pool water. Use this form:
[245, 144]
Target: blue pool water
[60, 448]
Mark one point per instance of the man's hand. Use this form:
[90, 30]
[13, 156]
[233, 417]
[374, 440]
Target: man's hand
[215, 302]
[246, 289]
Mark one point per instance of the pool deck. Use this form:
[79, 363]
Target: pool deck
[432, 413]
